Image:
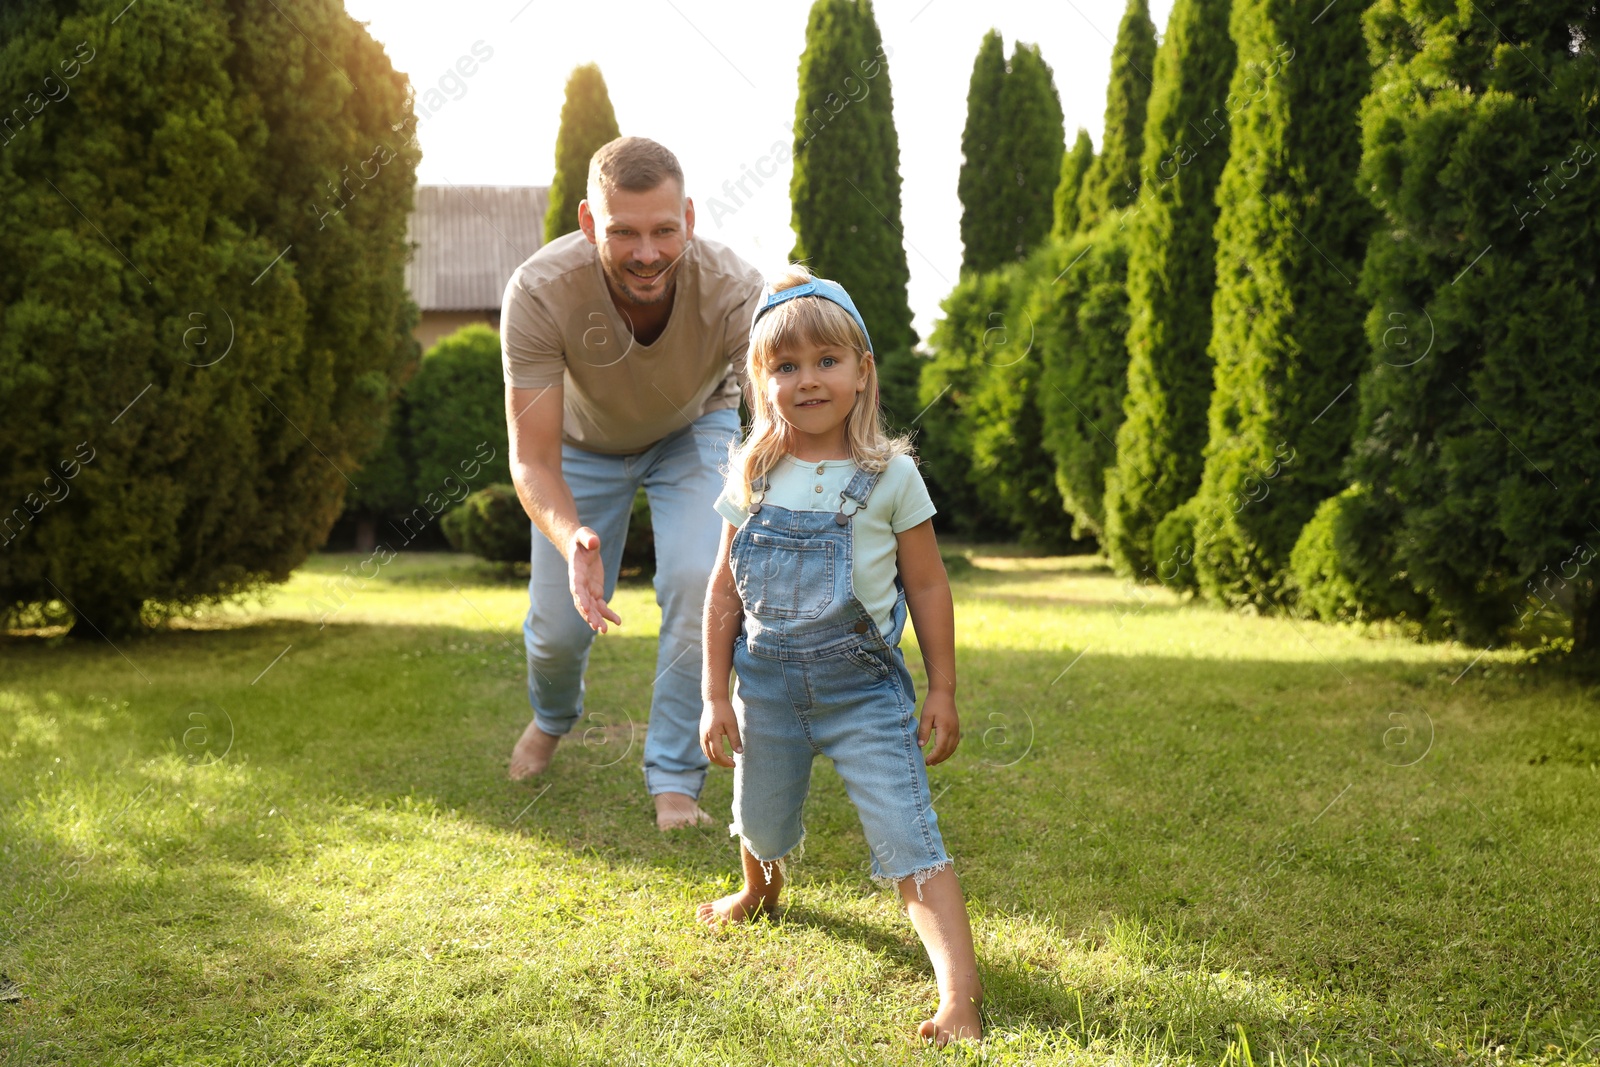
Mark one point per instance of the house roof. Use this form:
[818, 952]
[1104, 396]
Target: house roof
[470, 240]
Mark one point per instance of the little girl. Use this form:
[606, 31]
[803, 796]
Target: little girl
[828, 542]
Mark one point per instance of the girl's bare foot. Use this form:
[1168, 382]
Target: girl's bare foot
[748, 903]
[739, 907]
[677, 810]
[956, 1020]
[532, 754]
[939, 912]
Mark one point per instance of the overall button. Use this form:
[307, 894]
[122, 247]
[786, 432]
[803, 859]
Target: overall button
[860, 627]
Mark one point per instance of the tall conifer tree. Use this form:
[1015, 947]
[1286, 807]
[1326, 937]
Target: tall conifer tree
[981, 183]
[1475, 459]
[1074, 165]
[1012, 149]
[1032, 143]
[1286, 317]
[1113, 179]
[846, 184]
[1080, 302]
[985, 363]
[587, 122]
[1079, 316]
[1171, 277]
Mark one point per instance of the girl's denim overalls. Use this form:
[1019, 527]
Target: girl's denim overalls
[815, 675]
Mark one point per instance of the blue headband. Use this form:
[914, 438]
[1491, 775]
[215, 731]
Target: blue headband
[815, 287]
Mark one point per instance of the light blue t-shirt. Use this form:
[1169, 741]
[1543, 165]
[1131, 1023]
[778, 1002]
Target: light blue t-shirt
[899, 501]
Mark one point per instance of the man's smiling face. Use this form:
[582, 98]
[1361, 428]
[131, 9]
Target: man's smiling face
[641, 237]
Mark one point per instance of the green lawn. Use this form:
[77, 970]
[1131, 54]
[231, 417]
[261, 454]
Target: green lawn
[1186, 835]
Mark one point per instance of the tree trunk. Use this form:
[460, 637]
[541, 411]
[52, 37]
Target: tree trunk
[107, 617]
[1586, 622]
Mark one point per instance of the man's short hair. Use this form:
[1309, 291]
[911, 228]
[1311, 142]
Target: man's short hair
[634, 164]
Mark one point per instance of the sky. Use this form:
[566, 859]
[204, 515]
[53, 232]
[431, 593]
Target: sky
[716, 83]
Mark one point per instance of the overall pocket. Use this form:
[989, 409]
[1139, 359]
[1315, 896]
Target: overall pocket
[784, 577]
[870, 662]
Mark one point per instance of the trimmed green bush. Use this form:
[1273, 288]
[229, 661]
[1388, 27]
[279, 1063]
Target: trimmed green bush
[386, 482]
[971, 328]
[1477, 424]
[1323, 586]
[587, 122]
[1174, 549]
[639, 550]
[203, 312]
[1081, 317]
[454, 406]
[1286, 335]
[448, 421]
[491, 525]
[899, 374]
[1342, 566]
[1013, 473]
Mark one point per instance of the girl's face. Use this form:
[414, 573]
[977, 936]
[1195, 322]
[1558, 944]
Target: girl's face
[813, 389]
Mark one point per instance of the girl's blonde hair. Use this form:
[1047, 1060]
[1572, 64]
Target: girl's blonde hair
[818, 321]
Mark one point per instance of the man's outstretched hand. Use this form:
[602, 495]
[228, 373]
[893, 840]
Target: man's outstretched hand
[586, 577]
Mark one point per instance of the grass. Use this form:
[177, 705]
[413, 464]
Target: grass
[1187, 836]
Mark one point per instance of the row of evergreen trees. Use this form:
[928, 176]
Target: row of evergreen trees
[1309, 329]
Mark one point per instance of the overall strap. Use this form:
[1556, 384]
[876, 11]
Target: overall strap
[860, 488]
[758, 493]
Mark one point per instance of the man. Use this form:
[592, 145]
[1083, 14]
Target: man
[624, 349]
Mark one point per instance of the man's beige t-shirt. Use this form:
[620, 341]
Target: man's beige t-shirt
[559, 326]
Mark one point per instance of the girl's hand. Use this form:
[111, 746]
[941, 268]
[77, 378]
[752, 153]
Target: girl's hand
[718, 721]
[943, 723]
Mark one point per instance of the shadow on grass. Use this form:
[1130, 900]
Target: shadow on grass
[136, 925]
[1098, 605]
[1038, 994]
[446, 571]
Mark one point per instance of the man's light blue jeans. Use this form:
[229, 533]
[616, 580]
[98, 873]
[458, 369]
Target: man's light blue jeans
[680, 475]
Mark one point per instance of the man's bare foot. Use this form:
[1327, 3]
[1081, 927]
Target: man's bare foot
[532, 754]
[677, 810]
[737, 908]
[956, 1020]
